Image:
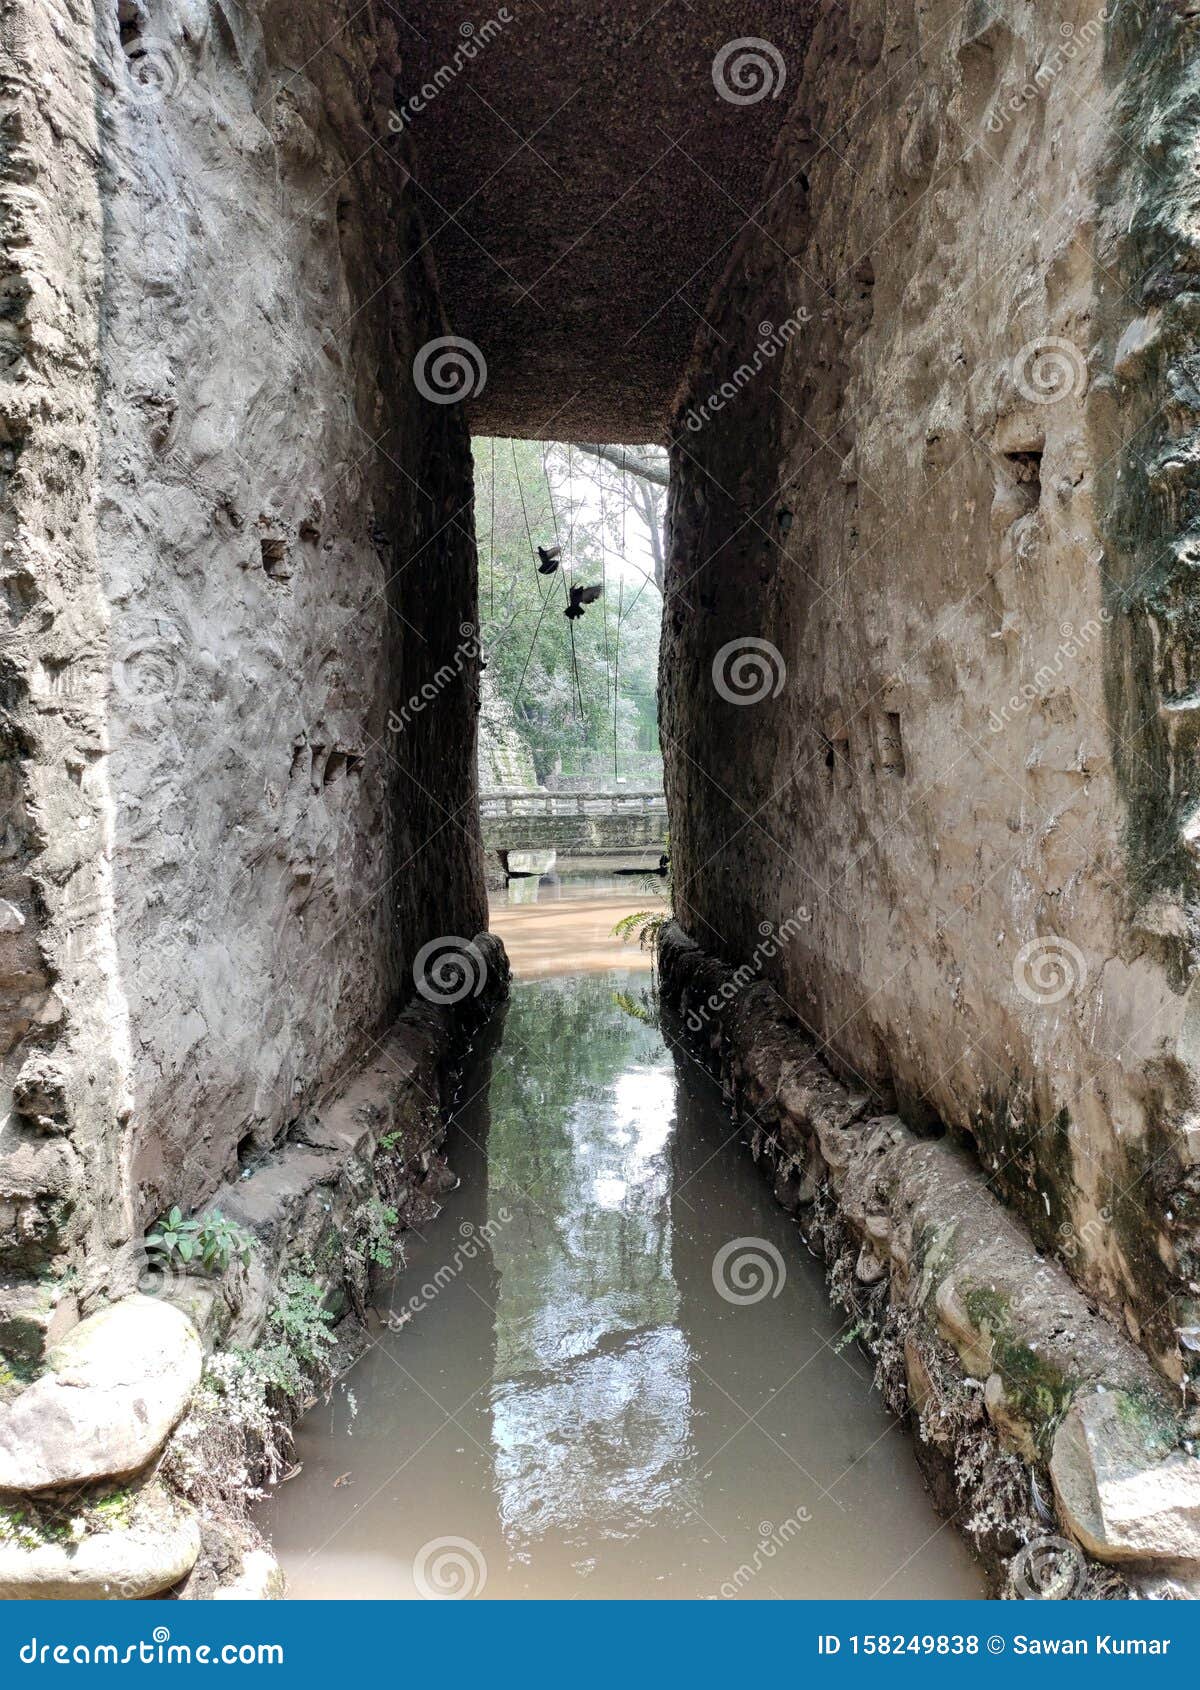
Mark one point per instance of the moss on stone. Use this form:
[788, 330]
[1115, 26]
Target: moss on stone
[1037, 1391]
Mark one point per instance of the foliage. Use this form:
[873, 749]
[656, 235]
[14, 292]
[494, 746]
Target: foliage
[374, 1225]
[646, 925]
[642, 925]
[640, 1010]
[238, 1428]
[210, 1240]
[301, 1321]
[587, 706]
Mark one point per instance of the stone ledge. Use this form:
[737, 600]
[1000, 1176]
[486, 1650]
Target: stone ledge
[114, 1389]
[119, 1383]
[941, 1273]
[149, 1555]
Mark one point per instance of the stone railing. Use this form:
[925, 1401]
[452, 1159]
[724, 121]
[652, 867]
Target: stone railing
[515, 819]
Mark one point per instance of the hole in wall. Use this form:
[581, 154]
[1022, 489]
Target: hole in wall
[1026, 470]
[129, 23]
[275, 560]
[890, 743]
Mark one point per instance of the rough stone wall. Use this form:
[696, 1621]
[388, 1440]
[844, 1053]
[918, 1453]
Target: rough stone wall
[238, 538]
[944, 482]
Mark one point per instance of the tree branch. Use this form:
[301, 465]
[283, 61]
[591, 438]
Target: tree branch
[621, 458]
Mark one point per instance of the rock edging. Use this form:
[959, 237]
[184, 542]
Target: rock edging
[94, 1501]
[1034, 1414]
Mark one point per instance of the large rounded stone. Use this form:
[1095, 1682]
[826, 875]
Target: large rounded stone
[260, 1580]
[115, 1388]
[1120, 1495]
[141, 1560]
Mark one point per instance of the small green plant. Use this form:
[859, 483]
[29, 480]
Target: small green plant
[646, 925]
[211, 1241]
[642, 925]
[301, 1321]
[629, 1005]
[849, 1336]
[374, 1226]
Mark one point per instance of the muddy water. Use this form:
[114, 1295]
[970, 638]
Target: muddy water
[591, 1390]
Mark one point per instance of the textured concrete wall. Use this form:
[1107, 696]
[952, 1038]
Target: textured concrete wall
[937, 486]
[241, 539]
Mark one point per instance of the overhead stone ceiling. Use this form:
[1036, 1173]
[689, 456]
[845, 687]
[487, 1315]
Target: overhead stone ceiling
[583, 182]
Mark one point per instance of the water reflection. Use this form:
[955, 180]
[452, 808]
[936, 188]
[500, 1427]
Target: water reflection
[590, 1410]
[577, 1400]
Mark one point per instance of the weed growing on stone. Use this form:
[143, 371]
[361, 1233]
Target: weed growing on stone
[208, 1241]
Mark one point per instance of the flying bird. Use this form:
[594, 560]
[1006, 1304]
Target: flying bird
[579, 597]
[549, 556]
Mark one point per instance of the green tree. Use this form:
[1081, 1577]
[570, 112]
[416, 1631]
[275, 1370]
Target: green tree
[581, 695]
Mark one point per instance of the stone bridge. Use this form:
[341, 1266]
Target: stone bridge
[580, 824]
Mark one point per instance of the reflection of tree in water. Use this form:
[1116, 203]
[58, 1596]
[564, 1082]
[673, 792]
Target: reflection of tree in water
[591, 1396]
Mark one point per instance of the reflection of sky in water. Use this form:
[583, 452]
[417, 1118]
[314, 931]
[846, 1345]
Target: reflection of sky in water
[591, 1402]
[599, 1448]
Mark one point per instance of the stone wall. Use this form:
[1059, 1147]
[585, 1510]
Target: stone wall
[574, 824]
[935, 458]
[236, 538]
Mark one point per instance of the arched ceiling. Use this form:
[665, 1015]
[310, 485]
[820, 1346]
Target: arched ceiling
[582, 182]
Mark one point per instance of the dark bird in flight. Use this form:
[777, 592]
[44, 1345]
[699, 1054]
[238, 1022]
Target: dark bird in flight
[549, 556]
[579, 597]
